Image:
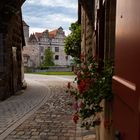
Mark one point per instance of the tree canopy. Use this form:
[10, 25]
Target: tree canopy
[48, 60]
[73, 41]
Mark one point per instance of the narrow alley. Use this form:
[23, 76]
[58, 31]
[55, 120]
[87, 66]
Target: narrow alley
[96, 40]
[41, 112]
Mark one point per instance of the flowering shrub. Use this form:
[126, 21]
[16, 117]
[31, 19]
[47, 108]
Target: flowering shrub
[91, 89]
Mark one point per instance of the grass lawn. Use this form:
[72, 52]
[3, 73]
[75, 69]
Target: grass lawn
[54, 73]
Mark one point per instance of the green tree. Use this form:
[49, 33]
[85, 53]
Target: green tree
[73, 41]
[48, 60]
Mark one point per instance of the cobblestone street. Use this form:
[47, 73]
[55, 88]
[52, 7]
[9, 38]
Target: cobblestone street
[41, 112]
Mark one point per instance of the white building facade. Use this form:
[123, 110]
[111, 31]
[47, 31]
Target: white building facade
[53, 40]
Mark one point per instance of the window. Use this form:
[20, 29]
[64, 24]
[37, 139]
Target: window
[41, 49]
[56, 57]
[66, 58]
[42, 57]
[56, 49]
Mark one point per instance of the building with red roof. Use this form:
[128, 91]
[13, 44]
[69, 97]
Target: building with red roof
[49, 39]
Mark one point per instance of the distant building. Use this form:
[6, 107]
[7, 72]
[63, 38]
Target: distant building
[31, 56]
[26, 31]
[41, 41]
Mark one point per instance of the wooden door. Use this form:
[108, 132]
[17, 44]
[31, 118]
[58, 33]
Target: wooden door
[126, 81]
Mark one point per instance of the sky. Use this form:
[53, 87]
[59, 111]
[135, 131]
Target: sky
[49, 14]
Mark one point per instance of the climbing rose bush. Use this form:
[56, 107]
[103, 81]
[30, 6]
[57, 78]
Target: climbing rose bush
[91, 88]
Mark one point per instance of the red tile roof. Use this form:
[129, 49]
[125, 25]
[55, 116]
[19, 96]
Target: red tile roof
[53, 33]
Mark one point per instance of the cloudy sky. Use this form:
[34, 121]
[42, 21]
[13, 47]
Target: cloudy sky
[49, 14]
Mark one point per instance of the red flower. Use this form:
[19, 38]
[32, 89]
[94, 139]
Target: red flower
[69, 85]
[82, 86]
[75, 118]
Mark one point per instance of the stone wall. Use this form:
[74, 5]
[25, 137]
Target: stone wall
[11, 40]
[88, 45]
[98, 39]
[56, 68]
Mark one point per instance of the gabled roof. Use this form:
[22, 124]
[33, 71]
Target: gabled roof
[32, 37]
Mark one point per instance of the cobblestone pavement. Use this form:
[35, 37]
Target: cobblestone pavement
[51, 119]
[14, 108]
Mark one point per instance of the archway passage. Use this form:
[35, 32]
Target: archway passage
[11, 79]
